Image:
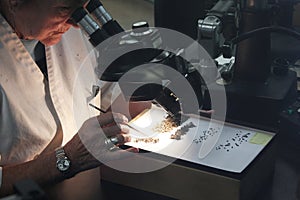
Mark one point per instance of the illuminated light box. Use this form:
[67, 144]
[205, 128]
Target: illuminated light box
[237, 166]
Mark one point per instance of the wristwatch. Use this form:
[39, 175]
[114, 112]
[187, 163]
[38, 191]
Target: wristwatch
[62, 161]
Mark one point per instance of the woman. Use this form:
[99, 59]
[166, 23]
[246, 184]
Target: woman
[37, 97]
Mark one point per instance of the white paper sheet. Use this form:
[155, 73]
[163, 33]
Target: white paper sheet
[236, 147]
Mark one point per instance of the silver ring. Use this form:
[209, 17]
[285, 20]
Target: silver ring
[111, 142]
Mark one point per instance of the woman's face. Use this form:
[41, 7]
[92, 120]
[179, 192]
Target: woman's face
[44, 20]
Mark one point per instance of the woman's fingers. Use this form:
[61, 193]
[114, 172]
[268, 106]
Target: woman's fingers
[113, 125]
[109, 118]
[115, 129]
[123, 138]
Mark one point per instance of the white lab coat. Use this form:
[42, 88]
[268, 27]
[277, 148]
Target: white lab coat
[31, 109]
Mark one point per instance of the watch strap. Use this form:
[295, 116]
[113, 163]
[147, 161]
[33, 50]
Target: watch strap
[62, 157]
[60, 153]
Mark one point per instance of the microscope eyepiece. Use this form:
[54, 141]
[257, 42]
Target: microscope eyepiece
[95, 7]
[78, 14]
[93, 4]
[103, 18]
[89, 26]
[86, 23]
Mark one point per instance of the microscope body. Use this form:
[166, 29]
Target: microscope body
[141, 46]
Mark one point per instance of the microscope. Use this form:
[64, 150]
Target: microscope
[257, 88]
[142, 45]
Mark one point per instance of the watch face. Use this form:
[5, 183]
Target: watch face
[63, 164]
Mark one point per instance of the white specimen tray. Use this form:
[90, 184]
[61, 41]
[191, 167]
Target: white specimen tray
[235, 147]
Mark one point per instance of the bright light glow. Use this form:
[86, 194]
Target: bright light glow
[143, 121]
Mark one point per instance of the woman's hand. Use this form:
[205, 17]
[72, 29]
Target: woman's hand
[90, 147]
